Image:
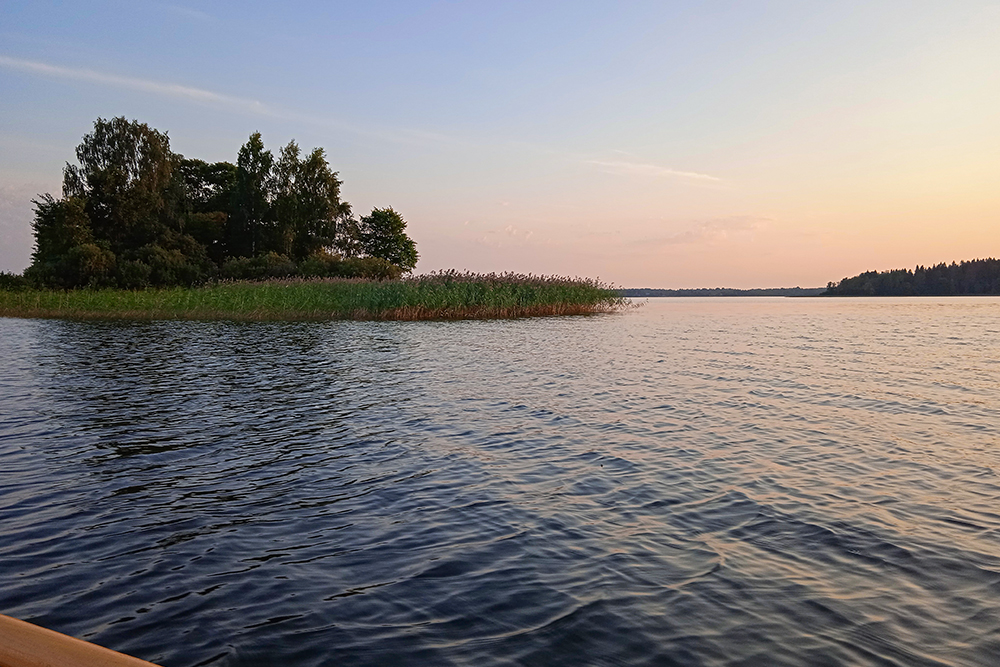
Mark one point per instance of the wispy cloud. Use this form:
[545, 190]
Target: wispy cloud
[715, 230]
[143, 85]
[186, 12]
[643, 169]
[500, 237]
[220, 100]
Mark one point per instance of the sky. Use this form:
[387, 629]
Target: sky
[648, 144]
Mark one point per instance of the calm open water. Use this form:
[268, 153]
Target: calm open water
[693, 482]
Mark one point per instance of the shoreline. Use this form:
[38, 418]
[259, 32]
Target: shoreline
[404, 314]
[468, 297]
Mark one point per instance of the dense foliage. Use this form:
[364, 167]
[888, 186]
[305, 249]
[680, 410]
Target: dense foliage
[381, 234]
[134, 214]
[979, 276]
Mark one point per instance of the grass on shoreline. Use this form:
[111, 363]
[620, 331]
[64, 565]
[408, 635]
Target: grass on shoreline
[440, 296]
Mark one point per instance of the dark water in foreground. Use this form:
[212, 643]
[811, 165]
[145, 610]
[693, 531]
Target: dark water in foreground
[696, 482]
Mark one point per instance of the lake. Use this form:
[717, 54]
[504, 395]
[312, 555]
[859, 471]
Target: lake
[696, 481]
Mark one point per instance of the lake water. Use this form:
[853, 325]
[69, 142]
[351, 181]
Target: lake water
[728, 481]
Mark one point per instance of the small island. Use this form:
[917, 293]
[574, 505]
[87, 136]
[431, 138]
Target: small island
[143, 232]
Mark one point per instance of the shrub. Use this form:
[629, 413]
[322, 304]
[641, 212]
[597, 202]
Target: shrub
[320, 265]
[169, 267]
[12, 282]
[271, 265]
[133, 274]
[372, 268]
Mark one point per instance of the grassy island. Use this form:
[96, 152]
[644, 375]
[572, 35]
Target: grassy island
[447, 295]
[142, 232]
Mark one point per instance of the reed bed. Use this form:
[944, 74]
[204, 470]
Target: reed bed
[438, 296]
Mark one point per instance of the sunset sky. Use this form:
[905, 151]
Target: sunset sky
[651, 144]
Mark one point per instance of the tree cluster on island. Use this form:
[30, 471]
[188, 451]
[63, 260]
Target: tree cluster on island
[134, 214]
[975, 277]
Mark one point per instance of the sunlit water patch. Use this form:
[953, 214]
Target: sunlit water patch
[694, 482]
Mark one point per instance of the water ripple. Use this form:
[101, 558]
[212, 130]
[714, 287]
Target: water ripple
[696, 482]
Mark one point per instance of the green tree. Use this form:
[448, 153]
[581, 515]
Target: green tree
[135, 202]
[287, 202]
[66, 254]
[348, 239]
[208, 187]
[125, 177]
[309, 213]
[136, 214]
[58, 226]
[208, 196]
[383, 235]
[252, 213]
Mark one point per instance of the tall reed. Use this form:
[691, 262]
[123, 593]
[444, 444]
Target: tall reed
[444, 295]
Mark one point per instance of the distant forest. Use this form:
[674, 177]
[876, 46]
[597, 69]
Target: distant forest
[134, 214]
[722, 291]
[979, 276]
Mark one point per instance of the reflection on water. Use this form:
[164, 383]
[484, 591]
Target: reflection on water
[696, 482]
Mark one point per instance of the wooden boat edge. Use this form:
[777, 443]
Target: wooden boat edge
[24, 644]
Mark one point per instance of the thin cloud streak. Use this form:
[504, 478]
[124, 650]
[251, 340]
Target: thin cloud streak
[253, 107]
[186, 12]
[712, 231]
[641, 169]
[211, 98]
[143, 85]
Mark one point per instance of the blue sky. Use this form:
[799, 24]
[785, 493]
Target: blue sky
[651, 144]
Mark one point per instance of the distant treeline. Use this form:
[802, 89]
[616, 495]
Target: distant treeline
[722, 291]
[134, 214]
[979, 276]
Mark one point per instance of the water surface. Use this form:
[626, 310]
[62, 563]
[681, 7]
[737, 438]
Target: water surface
[695, 482]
